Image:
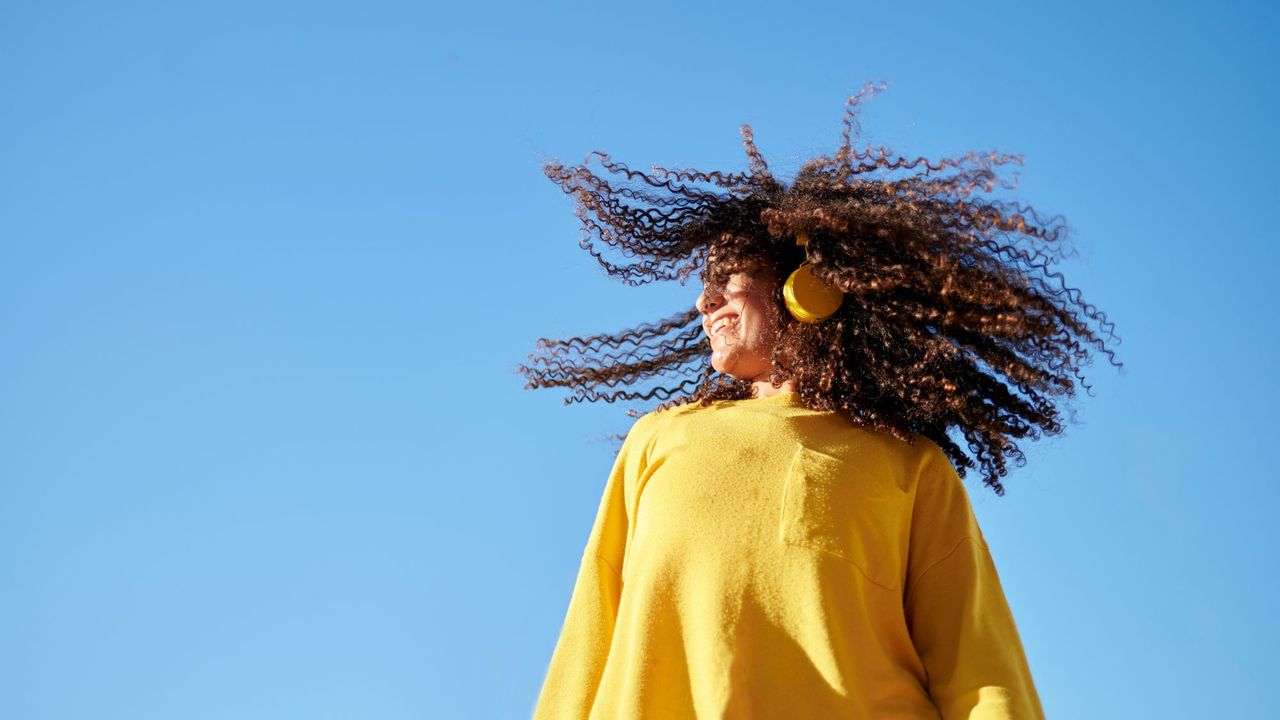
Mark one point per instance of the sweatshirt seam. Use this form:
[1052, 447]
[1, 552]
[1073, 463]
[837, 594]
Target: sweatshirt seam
[916, 582]
[609, 565]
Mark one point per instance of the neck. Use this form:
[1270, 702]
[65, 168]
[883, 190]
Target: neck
[764, 388]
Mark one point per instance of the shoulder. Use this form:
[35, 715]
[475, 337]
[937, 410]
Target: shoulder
[936, 468]
[655, 419]
[916, 457]
[929, 456]
[942, 495]
[656, 423]
[645, 426]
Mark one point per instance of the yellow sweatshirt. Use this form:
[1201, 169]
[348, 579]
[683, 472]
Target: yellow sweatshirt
[758, 559]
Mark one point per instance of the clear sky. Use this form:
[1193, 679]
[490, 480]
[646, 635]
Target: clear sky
[266, 271]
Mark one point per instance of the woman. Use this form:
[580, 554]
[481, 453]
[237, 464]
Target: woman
[792, 538]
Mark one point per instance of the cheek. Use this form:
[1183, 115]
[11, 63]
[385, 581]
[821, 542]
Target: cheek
[755, 330]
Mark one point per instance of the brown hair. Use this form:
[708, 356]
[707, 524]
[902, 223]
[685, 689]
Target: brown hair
[952, 315]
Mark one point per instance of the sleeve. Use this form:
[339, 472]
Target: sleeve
[956, 610]
[577, 663]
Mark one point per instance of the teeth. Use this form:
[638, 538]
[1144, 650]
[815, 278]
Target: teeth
[723, 323]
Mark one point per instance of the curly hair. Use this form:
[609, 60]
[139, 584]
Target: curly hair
[949, 320]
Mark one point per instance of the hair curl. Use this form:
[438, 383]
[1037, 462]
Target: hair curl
[949, 317]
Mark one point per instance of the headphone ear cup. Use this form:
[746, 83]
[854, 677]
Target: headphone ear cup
[808, 299]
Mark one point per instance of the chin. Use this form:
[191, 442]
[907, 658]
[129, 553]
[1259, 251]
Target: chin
[732, 374]
[731, 363]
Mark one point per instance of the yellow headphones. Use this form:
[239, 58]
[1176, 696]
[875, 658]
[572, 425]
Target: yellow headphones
[809, 299]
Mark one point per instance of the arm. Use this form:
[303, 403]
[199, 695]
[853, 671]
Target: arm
[578, 661]
[959, 619]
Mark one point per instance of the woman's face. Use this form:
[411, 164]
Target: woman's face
[741, 324]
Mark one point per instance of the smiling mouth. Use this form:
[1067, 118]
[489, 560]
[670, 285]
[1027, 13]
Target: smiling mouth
[723, 330]
[724, 326]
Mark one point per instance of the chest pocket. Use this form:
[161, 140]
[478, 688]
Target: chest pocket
[855, 513]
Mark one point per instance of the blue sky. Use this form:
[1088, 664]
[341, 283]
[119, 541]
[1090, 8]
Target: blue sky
[266, 271]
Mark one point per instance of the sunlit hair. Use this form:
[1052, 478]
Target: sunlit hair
[952, 316]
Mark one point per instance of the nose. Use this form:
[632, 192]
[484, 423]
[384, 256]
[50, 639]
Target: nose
[708, 302]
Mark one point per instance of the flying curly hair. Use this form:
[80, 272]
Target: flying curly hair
[950, 320]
